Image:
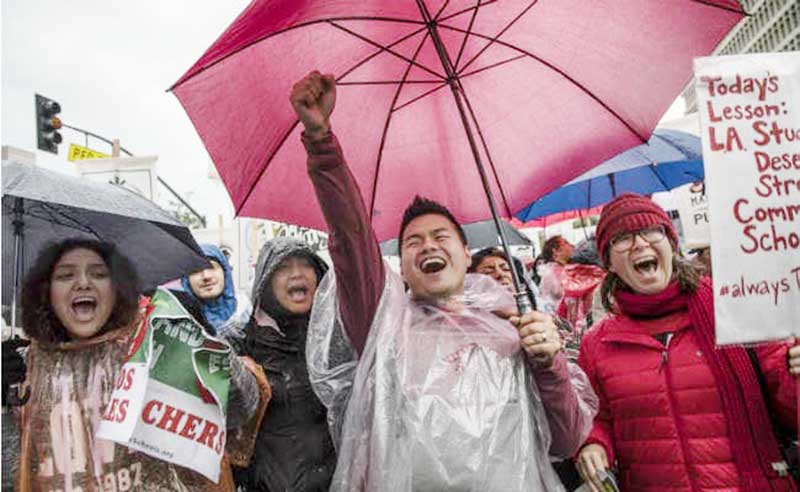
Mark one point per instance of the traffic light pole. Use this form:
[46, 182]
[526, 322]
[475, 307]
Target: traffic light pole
[201, 218]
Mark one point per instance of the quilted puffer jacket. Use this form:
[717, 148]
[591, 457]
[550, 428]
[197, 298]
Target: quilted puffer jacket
[661, 414]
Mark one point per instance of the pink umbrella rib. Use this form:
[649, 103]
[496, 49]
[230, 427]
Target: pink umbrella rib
[464, 41]
[193, 72]
[373, 55]
[642, 138]
[716, 5]
[462, 11]
[292, 127]
[386, 49]
[421, 96]
[389, 114]
[486, 150]
[494, 38]
[388, 82]
[493, 65]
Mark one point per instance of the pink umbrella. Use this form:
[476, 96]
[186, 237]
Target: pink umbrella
[544, 89]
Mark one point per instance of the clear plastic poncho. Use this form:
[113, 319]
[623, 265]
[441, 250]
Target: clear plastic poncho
[441, 399]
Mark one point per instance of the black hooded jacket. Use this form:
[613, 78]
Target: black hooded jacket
[294, 450]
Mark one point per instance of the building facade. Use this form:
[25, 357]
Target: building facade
[772, 26]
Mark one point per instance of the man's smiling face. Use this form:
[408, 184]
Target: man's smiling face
[433, 259]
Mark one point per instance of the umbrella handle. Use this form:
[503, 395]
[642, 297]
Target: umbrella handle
[523, 303]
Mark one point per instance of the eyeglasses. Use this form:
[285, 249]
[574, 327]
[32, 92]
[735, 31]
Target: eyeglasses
[624, 242]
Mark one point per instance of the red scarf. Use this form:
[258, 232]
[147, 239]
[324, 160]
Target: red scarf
[753, 443]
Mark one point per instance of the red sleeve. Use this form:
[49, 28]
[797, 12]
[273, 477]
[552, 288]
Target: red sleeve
[560, 402]
[353, 247]
[780, 382]
[601, 430]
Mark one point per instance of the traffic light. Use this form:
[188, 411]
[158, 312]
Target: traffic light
[47, 124]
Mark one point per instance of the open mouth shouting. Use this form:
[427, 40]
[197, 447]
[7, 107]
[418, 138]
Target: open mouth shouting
[294, 283]
[432, 264]
[84, 308]
[298, 293]
[646, 265]
[648, 271]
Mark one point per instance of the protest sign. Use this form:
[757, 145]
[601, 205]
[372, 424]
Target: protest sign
[750, 115]
[693, 210]
[171, 397]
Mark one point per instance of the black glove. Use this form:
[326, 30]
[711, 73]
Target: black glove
[14, 368]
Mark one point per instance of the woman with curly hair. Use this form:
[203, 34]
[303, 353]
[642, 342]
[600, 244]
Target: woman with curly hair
[80, 307]
[676, 412]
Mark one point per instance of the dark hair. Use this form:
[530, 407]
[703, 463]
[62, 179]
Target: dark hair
[534, 271]
[38, 318]
[478, 257]
[494, 252]
[683, 271]
[549, 248]
[422, 206]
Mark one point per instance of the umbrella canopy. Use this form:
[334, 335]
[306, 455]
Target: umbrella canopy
[52, 206]
[670, 159]
[550, 88]
[556, 217]
[479, 235]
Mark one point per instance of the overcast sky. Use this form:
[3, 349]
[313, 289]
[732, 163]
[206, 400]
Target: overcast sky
[108, 63]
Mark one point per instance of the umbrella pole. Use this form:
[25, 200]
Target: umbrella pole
[524, 303]
[18, 225]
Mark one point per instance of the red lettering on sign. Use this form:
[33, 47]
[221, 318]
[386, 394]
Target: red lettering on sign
[209, 433]
[190, 426]
[172, 417]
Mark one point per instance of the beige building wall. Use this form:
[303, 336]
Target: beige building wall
[772, 26]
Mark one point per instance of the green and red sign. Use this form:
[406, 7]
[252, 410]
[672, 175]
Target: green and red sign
[171, 397]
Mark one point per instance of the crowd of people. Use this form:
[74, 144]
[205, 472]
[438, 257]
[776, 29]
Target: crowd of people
[356, 378]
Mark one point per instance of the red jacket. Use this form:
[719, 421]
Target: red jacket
[661, 414]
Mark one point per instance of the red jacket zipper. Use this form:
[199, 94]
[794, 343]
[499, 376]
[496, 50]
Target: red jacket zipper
[672, 405]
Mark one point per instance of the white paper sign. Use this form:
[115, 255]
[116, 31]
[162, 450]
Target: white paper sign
[693, 209]
[750, 116]
[170, 399]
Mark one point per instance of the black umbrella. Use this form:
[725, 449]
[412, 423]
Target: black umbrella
[480, 235]
[41, 206]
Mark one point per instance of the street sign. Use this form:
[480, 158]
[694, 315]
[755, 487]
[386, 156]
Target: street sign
[78, 153]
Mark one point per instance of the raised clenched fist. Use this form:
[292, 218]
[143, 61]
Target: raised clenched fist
[313, 98]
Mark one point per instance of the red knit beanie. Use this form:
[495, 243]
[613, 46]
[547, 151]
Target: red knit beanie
[630, 212]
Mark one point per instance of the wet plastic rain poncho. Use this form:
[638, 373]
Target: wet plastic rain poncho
[228, 309]
[442, 397]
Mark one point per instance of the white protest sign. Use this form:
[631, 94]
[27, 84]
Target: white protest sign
[693, 210]
[750, 116]
[171, 397]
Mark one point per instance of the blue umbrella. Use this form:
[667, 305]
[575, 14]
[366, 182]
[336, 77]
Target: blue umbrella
[670, 159]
